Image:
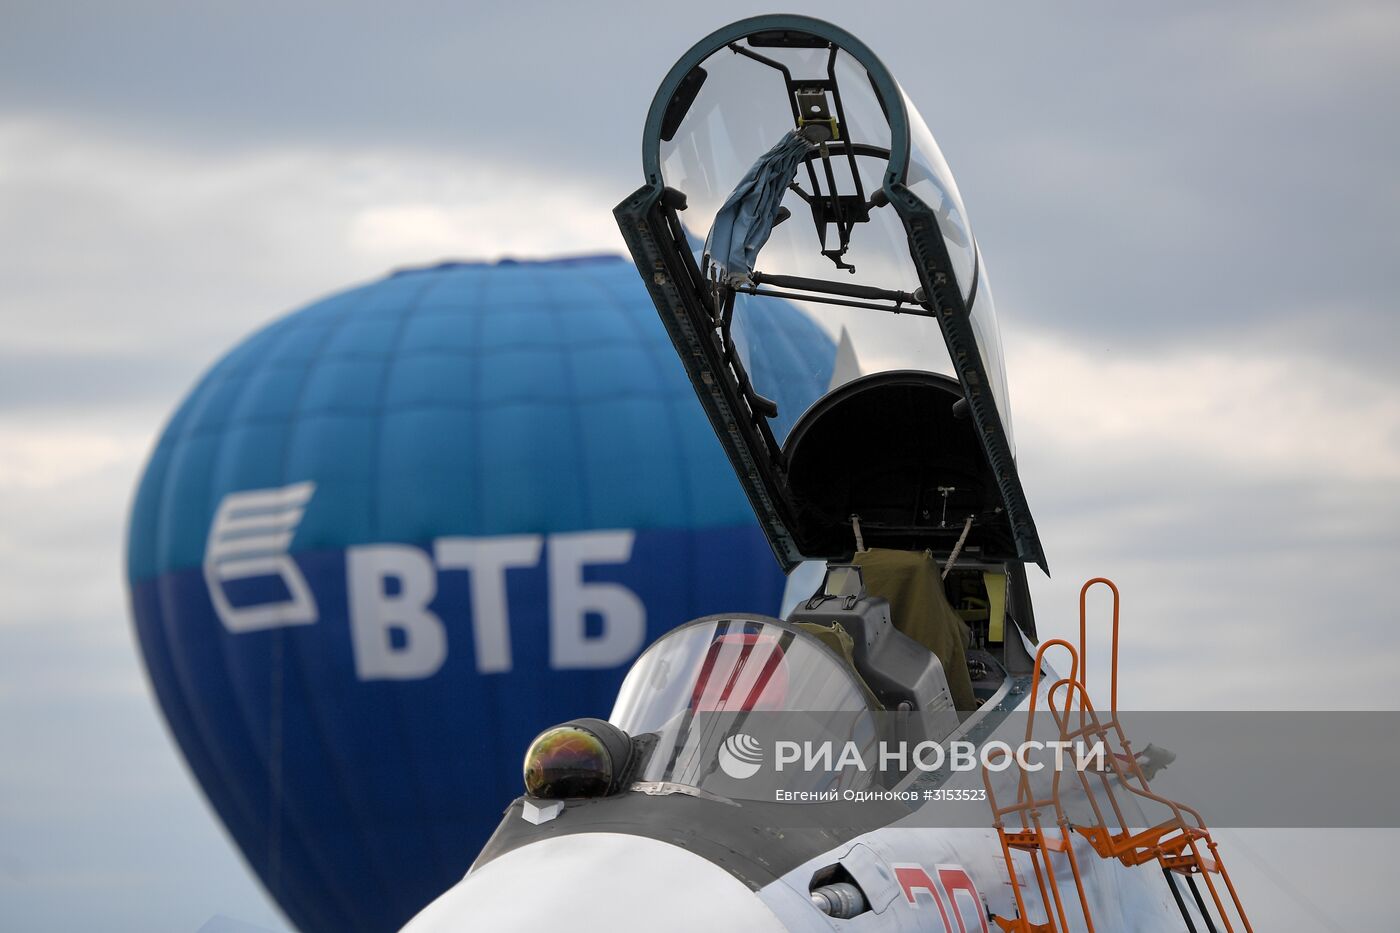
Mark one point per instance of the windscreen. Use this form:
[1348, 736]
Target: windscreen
[706, 690]
[835, 226]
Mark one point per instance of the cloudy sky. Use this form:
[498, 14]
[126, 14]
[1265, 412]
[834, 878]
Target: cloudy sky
[1189, 212]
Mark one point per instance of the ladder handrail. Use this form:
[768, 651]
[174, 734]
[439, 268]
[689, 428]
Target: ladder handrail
[1083, 627]
[1035, 675]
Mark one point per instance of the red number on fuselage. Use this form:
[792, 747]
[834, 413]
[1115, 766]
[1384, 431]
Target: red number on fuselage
[952, 880]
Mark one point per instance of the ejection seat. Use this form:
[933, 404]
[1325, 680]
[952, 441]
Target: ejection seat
[912, 583]
[900, 671]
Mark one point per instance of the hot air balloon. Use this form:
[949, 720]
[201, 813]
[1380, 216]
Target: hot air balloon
[391, 536]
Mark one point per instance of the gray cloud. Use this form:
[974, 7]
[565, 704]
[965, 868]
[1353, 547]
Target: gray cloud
[1238, 159]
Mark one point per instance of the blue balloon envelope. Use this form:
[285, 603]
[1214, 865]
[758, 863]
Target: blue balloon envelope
[392, 536]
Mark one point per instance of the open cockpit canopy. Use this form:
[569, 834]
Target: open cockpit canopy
[784, 165]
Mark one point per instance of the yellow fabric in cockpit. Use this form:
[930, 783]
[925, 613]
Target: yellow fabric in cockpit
[996, 605]
[912, 583]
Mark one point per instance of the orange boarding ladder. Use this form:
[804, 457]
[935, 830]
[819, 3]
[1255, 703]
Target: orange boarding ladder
[1174, 843]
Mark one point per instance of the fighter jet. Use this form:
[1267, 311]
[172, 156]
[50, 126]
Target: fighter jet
[783, 163]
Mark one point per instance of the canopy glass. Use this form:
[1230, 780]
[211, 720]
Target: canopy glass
[713, 690]
[784, 164]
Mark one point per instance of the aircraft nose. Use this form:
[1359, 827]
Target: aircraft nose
[597, 881]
